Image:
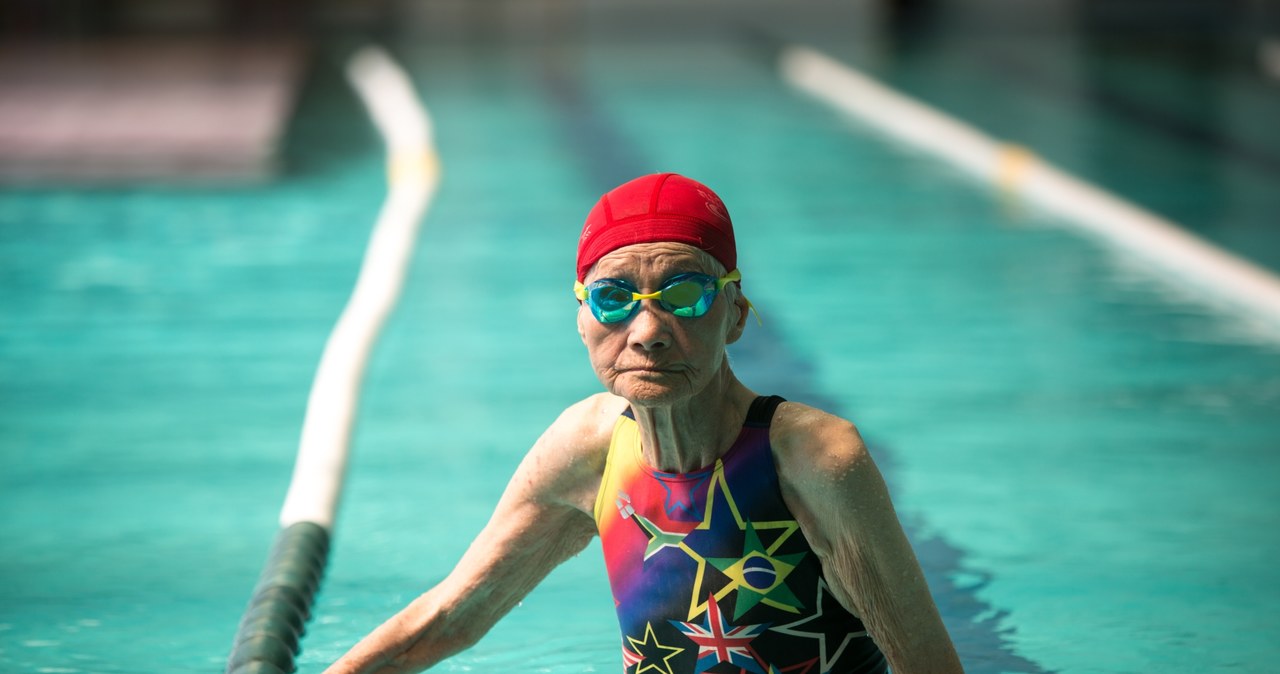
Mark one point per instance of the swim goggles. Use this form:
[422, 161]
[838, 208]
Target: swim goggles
[687, 295]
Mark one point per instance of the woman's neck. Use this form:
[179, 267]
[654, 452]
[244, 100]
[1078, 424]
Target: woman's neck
[692, 433]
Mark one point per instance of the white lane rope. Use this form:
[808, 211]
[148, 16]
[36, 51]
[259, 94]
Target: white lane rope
[1187, 258]
[413, 175]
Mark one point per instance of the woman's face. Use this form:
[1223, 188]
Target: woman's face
[655, 357]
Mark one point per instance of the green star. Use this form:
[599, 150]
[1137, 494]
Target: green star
[768, 575]
[658, 539]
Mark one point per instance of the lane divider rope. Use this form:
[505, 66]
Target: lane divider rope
[1186, 259]
[267, 641]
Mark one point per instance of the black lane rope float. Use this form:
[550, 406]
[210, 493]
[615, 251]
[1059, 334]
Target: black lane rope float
[269, 636]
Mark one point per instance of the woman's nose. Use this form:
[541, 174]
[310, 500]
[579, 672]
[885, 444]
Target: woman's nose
[650, 327]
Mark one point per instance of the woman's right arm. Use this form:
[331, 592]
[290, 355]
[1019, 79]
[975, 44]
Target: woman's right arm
[512, 555]
[542, 519]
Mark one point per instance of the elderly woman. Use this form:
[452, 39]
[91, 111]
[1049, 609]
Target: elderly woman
[741, 533]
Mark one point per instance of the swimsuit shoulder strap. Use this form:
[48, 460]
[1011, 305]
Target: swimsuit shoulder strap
[760, 414]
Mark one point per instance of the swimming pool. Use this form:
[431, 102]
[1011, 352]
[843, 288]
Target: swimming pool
[1084, 459]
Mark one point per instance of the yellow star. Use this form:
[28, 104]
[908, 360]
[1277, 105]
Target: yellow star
[645, 649]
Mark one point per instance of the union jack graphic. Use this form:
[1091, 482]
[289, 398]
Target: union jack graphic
[720, 642]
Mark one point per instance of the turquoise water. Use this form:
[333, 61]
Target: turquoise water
[1085, 460]
[157, 346]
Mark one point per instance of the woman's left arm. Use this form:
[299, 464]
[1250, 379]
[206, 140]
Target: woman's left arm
[840, 500]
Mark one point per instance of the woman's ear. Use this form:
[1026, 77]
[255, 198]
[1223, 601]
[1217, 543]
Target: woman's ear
[743, 307]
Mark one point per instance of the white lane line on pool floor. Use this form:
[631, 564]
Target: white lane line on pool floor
[1018, 171]
[413, 175]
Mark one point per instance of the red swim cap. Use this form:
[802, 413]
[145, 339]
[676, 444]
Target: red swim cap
[658, 207]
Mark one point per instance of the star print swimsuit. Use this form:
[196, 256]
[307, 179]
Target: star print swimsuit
[709, 569]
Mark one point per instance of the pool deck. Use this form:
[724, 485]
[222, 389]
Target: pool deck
[154, 110]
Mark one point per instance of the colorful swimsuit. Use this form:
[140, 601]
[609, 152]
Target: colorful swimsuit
[710, 571]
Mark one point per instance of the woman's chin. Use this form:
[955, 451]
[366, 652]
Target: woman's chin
[647, 389]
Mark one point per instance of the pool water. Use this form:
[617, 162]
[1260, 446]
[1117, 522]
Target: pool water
[1084, 457]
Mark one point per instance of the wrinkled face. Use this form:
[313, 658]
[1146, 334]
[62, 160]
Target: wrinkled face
[655, 357]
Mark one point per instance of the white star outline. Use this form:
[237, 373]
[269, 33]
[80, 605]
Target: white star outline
[790, 628]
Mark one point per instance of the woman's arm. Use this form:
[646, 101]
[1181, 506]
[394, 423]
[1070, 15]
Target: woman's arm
[840, 500]
[518, 548]
[542, 519]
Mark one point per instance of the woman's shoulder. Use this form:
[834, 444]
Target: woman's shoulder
[811, 442]
[583, 429]
[592, 419]
[569, 457]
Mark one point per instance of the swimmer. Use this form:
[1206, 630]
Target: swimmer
[741, 532]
